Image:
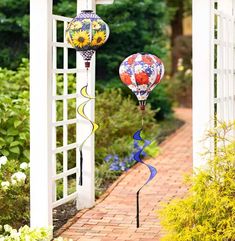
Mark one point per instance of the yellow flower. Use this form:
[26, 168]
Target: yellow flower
[81, 39]
[98, 39]
[180, 68]
[95, 25]
[76, 25]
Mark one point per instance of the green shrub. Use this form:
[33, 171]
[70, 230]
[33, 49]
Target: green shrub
[14, 192]
[208, 211]
[14, 127]
[13, 83]
[119, 118]
[160, 100]
[14, 112]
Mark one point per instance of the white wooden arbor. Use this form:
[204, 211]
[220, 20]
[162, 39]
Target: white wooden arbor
[213, 69]
[44, 122]
[213, 94]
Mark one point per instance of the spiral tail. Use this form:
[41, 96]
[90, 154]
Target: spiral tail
[153, 170]
[81, 112]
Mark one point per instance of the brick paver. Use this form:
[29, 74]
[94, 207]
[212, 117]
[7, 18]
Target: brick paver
[113, 217]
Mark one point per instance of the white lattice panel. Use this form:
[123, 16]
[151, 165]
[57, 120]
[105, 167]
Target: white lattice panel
[224, 75]
[64, 152]
[213, 70]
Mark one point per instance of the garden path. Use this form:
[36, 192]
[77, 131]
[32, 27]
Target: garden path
[113, 217]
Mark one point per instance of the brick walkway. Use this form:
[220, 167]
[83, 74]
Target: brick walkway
[113, 218]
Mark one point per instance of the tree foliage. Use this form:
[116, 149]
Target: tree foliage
[14, 32]
[136, 26]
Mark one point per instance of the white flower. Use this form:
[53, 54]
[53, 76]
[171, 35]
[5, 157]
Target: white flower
[7, 228]
[24, 165]
[18, 177]
[188, 72]
[180, 61]
[14, 182]
[138, 58]
[15, 235]
[138, 68]
[5, 185]
[3, 160]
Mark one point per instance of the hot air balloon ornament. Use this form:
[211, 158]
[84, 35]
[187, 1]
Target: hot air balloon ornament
[141, 72]
[86, 33]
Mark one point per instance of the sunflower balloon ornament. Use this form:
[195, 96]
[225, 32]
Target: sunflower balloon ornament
[141, 72]
[86, 33]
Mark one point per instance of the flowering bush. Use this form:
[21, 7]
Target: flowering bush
[14, 192]
[208, 211]
[118, 164]
[26, 233]
[114, 165]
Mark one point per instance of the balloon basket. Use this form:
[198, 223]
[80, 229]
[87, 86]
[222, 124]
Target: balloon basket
[87, 64]
[142, 104]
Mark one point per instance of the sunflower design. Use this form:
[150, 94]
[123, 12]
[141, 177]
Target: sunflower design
[76, 25]
[81, 39]
[98, 39]
[95, 25]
